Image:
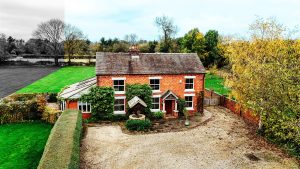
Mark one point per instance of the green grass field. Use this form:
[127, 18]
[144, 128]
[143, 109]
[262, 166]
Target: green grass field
[54, 82]
[22, 144]
[216, 83]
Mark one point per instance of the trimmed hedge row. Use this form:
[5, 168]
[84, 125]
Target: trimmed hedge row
[62, 148]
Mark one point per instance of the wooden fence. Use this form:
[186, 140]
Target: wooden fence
[214, 99]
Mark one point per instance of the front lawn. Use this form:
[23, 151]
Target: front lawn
[22, 144]
[216, 83]
[54, 82]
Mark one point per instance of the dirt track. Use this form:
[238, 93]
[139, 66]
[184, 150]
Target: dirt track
[224, 142]
[13, 78]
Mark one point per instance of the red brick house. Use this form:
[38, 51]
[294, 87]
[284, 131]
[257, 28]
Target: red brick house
[171, 76]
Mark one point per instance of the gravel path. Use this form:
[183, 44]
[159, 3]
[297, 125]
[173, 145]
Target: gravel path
[224, 142]
[13, 78]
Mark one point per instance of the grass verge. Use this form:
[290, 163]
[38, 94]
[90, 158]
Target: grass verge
[22, 144]
[54, 82]
[62, 148]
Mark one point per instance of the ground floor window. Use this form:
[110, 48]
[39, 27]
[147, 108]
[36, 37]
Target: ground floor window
[189, 101]
[63, 105]
[84, 106]
[155, 103]
[119, 105]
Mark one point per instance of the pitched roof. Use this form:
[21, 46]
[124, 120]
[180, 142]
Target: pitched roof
[147, 63]
[134, 101]
[75, 90]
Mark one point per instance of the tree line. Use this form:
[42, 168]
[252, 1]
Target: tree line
[54, 37]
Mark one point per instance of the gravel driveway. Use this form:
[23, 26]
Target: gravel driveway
[224, 142]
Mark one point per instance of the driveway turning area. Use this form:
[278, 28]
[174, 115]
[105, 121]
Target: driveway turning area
[226, 141]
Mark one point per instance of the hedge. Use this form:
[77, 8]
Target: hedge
[138, 125]
[21, 107]
[62, 148]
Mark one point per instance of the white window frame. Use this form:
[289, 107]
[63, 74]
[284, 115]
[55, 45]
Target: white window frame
[155, 78]
[119, 78]
[190, 95]
[189, 77]
[156, 110]
[86, 104]
[63, 105]
[121, 112]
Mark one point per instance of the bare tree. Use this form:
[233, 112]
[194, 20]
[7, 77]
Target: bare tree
[131, 39]
[74, 40]
[168, 28]
[53, 31]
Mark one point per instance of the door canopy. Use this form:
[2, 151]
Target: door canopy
[169, 95]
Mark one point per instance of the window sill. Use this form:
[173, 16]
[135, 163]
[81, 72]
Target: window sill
[189, 90]
[119, 112]
[119, 92]
[155, 110]
[189, 108]
[156, 91]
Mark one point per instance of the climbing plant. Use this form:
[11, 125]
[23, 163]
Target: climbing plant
[102, 102]
[144, 92]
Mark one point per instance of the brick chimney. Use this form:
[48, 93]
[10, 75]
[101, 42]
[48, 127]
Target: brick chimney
[134, 52]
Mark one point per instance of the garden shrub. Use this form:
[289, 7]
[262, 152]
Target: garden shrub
[102, 102]
[138, 125]
[16, 108]
[50, 115]
[181, 106]
[62, 148]
[115, 117]
[158, 115]
[52, 97]
[144, 92]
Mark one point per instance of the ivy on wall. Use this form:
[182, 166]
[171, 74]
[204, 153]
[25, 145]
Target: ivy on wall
[144, 92]
[101, 100]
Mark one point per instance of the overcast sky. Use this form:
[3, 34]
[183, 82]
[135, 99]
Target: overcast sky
[116, 18]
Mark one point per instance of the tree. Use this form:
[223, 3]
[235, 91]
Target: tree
[266, 77]
[131, 39]
[212, 47]
[3, 47]
[11, 44]
[74, 41]
[52, 31]
[166, 25]
[193, 41]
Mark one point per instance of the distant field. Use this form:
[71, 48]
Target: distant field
[216, 83]
[57, 80]
[22, 144]
[13, 78]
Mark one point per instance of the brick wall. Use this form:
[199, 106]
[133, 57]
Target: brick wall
[175, 83]
[247, 114]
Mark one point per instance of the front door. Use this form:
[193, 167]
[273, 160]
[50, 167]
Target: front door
[168, 104]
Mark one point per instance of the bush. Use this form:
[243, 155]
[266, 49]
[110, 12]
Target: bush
[62, 148]
[181, 106]
[158, 115]
[138, 125]
[118, 117]
[52, 97]
[102, 102]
